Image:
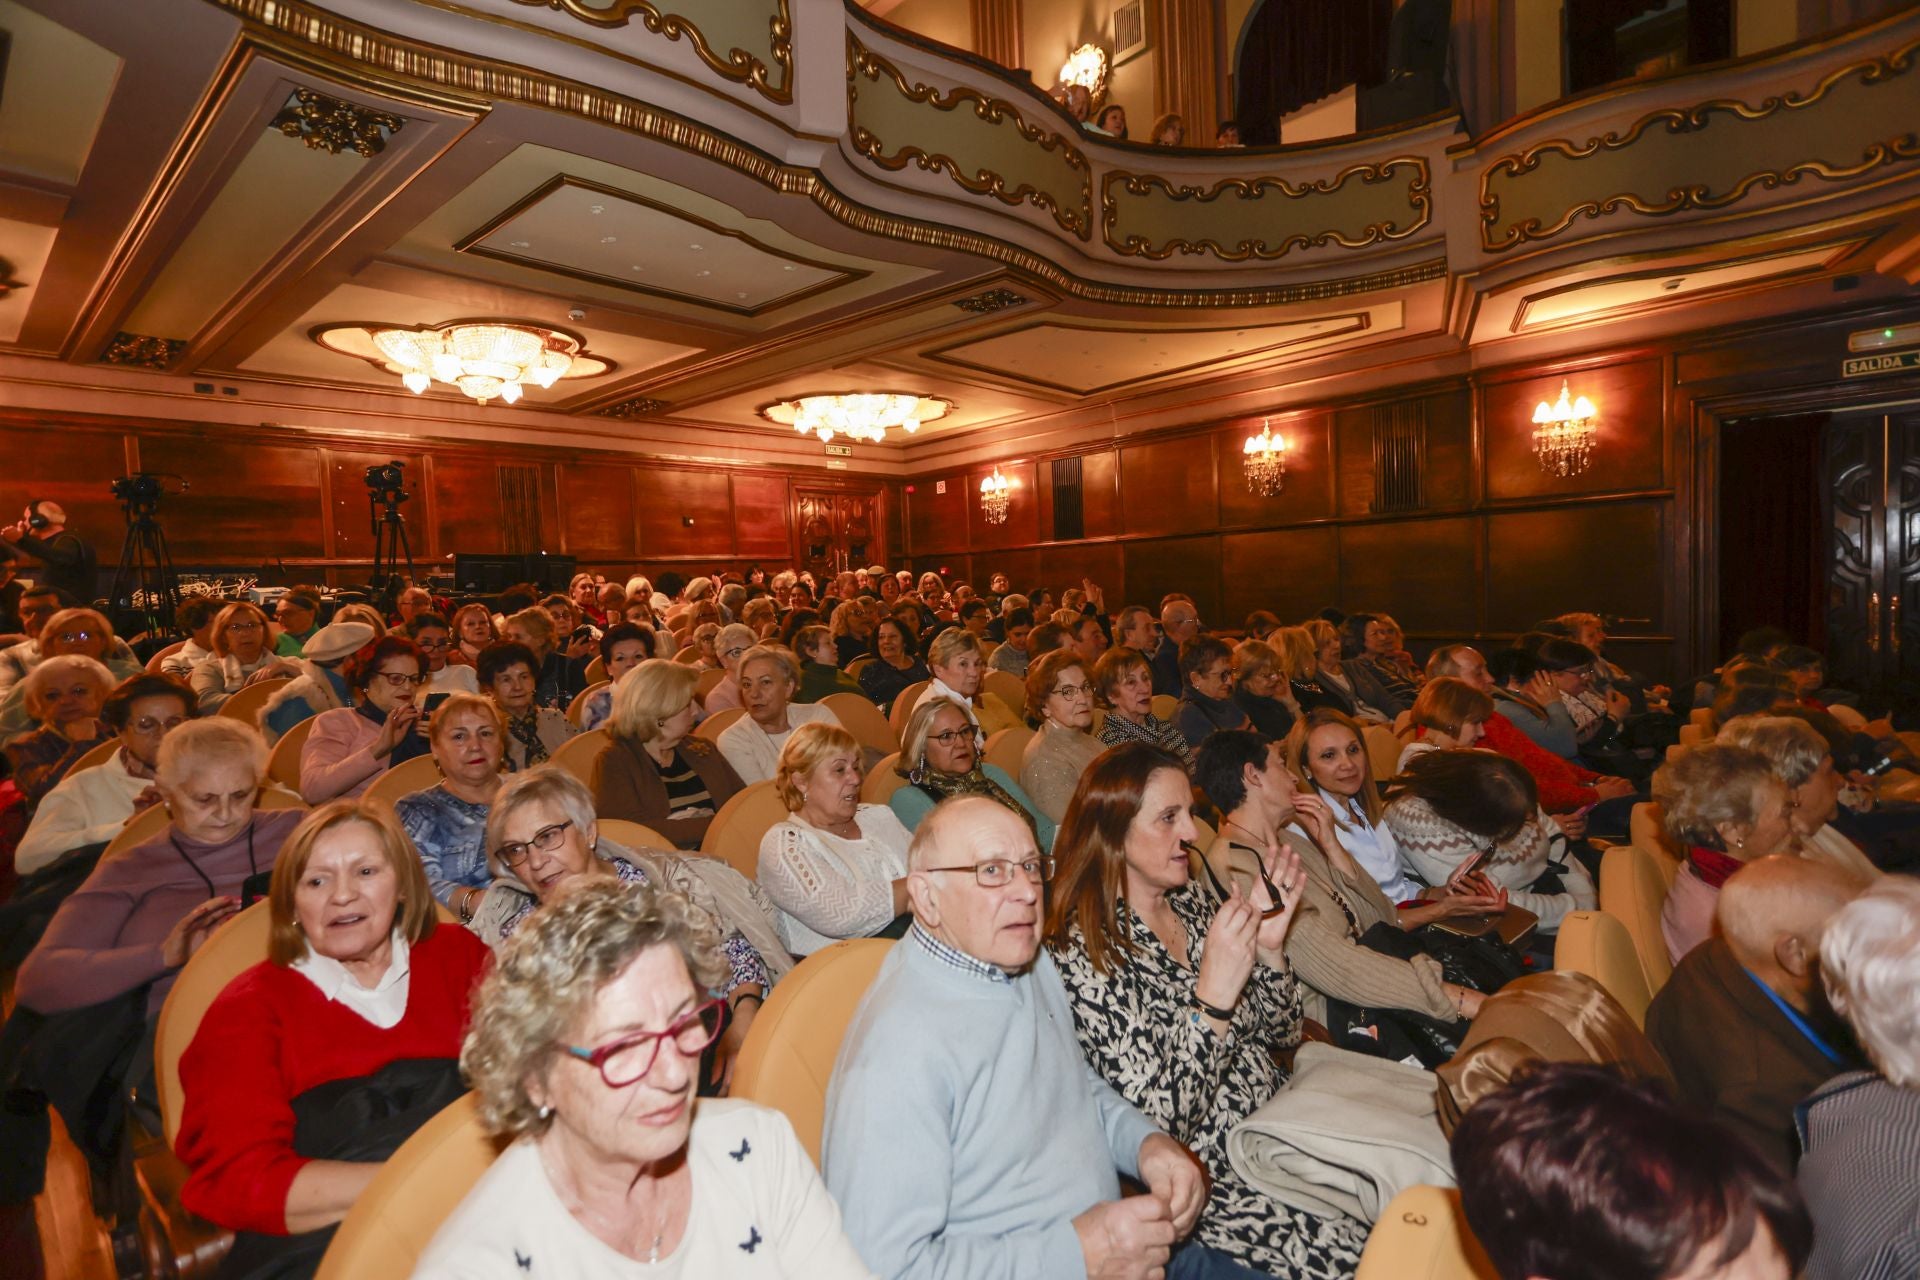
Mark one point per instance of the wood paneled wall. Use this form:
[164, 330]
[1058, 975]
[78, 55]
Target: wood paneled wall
[261, 498]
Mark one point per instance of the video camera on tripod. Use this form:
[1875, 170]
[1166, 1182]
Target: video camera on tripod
[386, 490]
[145, 592]
[386, 483]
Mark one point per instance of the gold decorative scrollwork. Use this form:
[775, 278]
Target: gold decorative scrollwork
[628, 410]
[741, 65]
[864, 62]
[1902, 145]
[1419, 193]
[330, 125]
[142, 351]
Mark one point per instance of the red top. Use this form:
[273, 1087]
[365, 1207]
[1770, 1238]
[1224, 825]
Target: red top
[270, 1037]
[1563, 785]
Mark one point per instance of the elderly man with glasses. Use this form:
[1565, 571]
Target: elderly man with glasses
[999, 1156]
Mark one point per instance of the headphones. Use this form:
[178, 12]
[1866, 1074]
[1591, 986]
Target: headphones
[35, 520]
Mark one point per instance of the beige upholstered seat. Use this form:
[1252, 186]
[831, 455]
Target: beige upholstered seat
[404, 779]
[246, 705]
[709, 680]
[1008, 687]
[734, 834]
[578, 707]
[1164, 705]
[882, 781]
[283, 763]
[96, 757]
[863, 720]
[788, 1058]
[596, 672]
[576, 755]
[1633, 889]
[1383, 751]
[1008, 748]
[714, 725]
[1421, 1235]
[160, 656]
[633, 835]
[903, 707]
[1596, 944]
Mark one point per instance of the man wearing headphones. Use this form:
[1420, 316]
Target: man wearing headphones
[68, 561]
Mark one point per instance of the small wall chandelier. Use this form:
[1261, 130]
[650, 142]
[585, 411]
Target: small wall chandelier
[1086, 66]
[858, 415]
[996, 494]
[1265, 461]
[1564, 434]
[485, 359]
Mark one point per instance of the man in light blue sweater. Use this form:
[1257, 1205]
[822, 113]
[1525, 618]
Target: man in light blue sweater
[966, 1137]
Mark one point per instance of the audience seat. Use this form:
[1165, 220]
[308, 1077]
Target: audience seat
[283, 763]
[1596, 944]
[416, 1190]
[98, 756]
[689, 655]
[903, 707]
[858, 665]
[633, 835]
[1008, 687]
[1383, 751]
[788, 1058]
[596, 672]
[1422, 1235]
[1692, 735]
[1847, 716]
[153, 663]
[735, 832]
[708, 681]
[404, 779]
[141, 827]
[882, 781]
[1633, 890]
[863, 720]
[1702, 716]
[1008, 748]
[1099, 721]
[715, 724]
[578, 707]
[245, 706]
[576, 755]
[1164, 705]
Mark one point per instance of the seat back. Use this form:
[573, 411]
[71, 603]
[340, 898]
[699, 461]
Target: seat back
[1008, 748]
[1633, 890]
[234, 948]
[1008, 687]
[1164, 705]
[1847, 716]
[633, 835]
[404, 779]
[863, 720]
[161, 655]
[1383, 751]
[418, 1188]
[1422, 1235]
[788, 1058]
[714, 725]
[882, 781]
[688, 655]
[577, 754]
[858, 665]
[1596, 944]
[96, 757]
[1702, 716]
[709, 678]
[1692, 735]
[578, 707]
[245, 706]
[734, 834]
[903, 708]
[283, 763]
[596, 672]
[141, 827]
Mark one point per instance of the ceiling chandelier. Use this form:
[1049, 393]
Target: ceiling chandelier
[1265, 461]
[996, 495]
[1564, 434]
[486, 359]
[858, 415]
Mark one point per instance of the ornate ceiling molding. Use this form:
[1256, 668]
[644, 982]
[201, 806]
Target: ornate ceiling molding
[140, 351]
[628, 410]
[742, 66]
[983, 304]
[330, 125]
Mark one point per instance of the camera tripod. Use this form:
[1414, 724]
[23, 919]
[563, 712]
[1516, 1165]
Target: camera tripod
[390, 547]
[145, 590]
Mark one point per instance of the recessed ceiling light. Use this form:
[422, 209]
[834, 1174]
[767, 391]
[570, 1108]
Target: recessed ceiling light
[739, 295]
[696, 248]
[596, 208]
[609, 239]
[638, 267]
[522, 244]
[703, 273]
[787, 267]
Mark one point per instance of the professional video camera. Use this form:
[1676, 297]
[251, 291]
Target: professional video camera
[386, 482]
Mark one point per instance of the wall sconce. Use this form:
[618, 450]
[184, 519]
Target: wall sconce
[996, 494]
[1266, 461]
[1086, 66]
[1564, 434]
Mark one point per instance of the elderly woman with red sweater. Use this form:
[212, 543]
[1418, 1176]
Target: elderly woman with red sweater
[357, 1012]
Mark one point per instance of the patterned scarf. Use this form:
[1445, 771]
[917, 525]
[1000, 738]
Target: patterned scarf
[974, 782]
[526, 731]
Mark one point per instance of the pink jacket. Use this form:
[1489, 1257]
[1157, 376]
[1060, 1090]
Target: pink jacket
[338, 758]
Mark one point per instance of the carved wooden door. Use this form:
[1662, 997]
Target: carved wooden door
[1873, 563]
[838, 531]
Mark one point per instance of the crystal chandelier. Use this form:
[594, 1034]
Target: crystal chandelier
[1564, 434]
[858, 415]
[486, 359]
[1086, 66]
[996, 494]
[1265, 461]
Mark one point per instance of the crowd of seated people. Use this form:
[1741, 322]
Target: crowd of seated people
[1199, 857]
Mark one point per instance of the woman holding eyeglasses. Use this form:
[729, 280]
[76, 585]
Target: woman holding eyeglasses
[351, 746]
[242, 653]
[1060, 709]
[543, 842]
[1180, 1001]
[585, 1052]
[940, 756]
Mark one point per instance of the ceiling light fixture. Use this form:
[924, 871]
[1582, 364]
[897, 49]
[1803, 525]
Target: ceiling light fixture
[858, 415]
[996, 495]
[486, 359]
[1086, 66]
[1265, 461]
[1564, 433]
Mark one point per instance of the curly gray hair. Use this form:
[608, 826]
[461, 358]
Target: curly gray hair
[1794, 747]
[544, 982]
[1705, 786]
[1870, 959]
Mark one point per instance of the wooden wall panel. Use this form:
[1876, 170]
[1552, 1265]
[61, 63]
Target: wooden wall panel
[1154, 567]
[246, 502]
[1064, 565]
[1448, 473]
[937, 521]
[1631, 449]
[596, 511]
[1424, 572]
[1167, 486]
[667, 497]
[1598, 559]
[760, 517]
[352, 513]
[466, 499]
[1022, 527]
[1295, 573]
[1100, 493]
[1307, 493]
[73, 466]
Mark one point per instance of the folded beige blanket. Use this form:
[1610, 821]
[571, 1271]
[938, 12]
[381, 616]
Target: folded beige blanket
[1345, 1135]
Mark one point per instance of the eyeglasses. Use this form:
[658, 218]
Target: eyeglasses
[628, 1060]
[441, 643]
[147, 724]
[77, 637]
[952, 736]
[734, 652]
[997, 873]
[1073, 691]
[546, 838]
[243, 626]
[400, 679]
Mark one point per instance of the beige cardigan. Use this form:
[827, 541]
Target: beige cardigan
[1325, 952]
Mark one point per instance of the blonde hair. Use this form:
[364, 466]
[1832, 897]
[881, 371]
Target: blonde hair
[457, 704]
[371, 616]
[950, 644]
[913, 742]
[51, 669]
[811, 744]
[1706, 785]
[199, 744]
[776, 654]
[1319, 630]
[1794, 747]
[807, 639]
[1446, 703]
[537, 622]
[1295, 749]
[93, 617]
[1252, 658]
[652, 692]
[454, 623]
[544, 981]
[1299, 660]
[413, 908]
[227, 617]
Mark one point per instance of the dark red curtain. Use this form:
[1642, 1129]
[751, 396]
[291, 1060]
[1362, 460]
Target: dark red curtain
[1772, 544]
[1298, 51]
